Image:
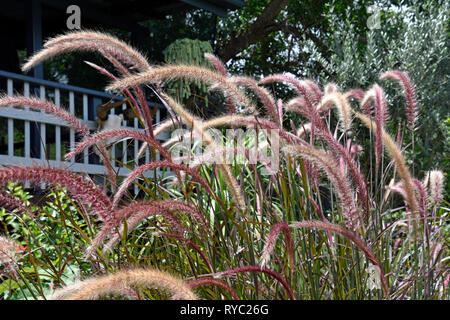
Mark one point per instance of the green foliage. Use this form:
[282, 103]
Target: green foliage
[412, 38]
[190, 52]
[53, 242]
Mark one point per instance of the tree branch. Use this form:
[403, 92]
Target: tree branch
[263, 26]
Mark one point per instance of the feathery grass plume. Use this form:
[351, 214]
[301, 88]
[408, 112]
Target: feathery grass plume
[303, 87]
[112, 177]
[315, 89]
[357, 94]
[272, 238]
[117, 133]
[295, 103]
[8, 252]
[162, 127]
[189, 242]
[381, 116]
[376, 96]
[196, 125]
[411, 104]
[142, 212]
[248, 120]
[154, 165]
[9, 201]
[264, 95]
[330, 88]
[74, 46]
[170, 72]
[400, 164]
[134, 57]
[421, 197]
[34, 103]
[267, 271]
[338, 179]
[326, 226]
[214, 282]
[128, 94]
[434, 184]
[419, 190]
[79, 187]
[303, 129]
[338, 100]
[171, 205]
[119, 282]
[217, 63]
[338, 151]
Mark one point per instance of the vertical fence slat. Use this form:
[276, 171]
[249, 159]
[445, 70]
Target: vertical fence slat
[136, 151]
[57, 129]
[43, 127]
[85, 117]
[27, 146]
[10, 92]
[113, 147]
[72, 132]
[125, 142]
[158, 120]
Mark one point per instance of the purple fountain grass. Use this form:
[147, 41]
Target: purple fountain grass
[434, 184]
[214, 282]
[400, 164]
[74, 46]
[82, 189]
[421, 198]
[376, 96]
[134, 56]
[189, 242]
[357, 94]
[9, 201]
[143, 109]
[220, 67]
[338, 100]
[251, 120]
[217, 63]
[8, 253]
[381, 115]
[419, 190]
[315, 89]
[95, 288]
[264, 95]
[303, 87]
[117, 133]
[326, 226]
[272, 238]
[267, 271]
[112, 77]
[170, 72]
[338, 151]
[330, 88]
[125, 212]
[48, 107]
[338, 179]
[196, 125]
[154, 165]
[141, 212]
[411, 104]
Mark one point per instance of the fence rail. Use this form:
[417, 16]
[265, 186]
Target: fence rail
[30, 137]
